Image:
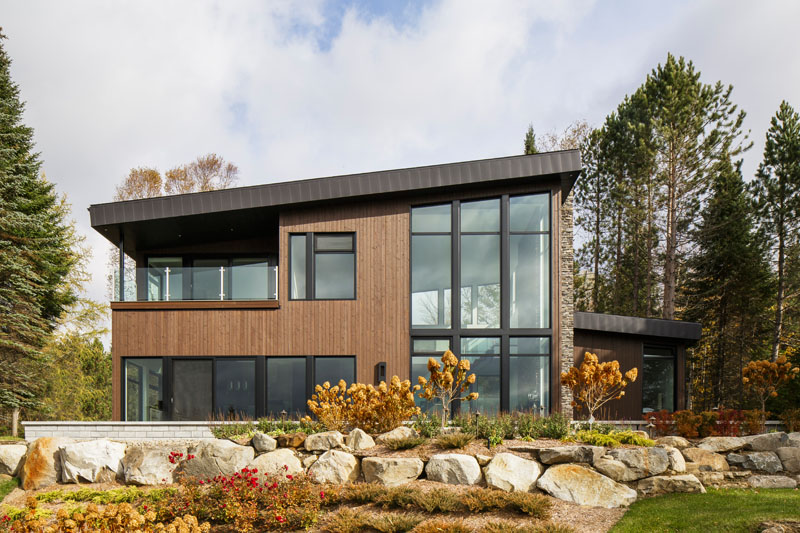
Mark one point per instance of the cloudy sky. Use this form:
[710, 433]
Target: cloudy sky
[291, 90]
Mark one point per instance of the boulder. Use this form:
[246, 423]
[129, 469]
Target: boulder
[702, 457]
[794, 439]
[291, 440]
[309, 460]
[722, 444]
[640, 433]
[391, 470]
[772, 482]
[216, 457]
[11, 456]
[42, 466]
[790, 458]
[335, 467]
[571, 454]
[762, 461]
[453, 468]
[263, 443]
[578, 484]
[710, 479]
[656, 485]
[280, 461]
[359, 440]
[675, 442]
[148, 466]
[483, 460]
[676, 461]
[322, 442]
[91, 461]
[512, 473]
[630, 464]
[402, 432]
[767, 442]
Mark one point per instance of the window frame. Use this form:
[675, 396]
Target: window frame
[674, 356]
[311, 253]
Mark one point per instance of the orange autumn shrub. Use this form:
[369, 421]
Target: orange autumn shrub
[447, 382]
[594, 384]
[763, 378]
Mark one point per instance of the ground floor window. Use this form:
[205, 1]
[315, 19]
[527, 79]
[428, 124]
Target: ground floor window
[658, 379]
[197, 388]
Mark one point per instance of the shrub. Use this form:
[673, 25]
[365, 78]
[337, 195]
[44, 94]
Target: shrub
[226, 430]
[502, 526]
[692, 425]
[729, 422]
[455, 440]
[763, 378]
[605, 429]
[441, 525]
[594, 384]
[373, 409]
[613, 439]
[350, 521]
[663, 421]
[629, 437]
[405, 443]
[791, 420]
[447, 382]
[554, 426]
[752, 421]
[428, 426]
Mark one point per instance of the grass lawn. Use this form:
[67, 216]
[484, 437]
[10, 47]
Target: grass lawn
[7, 486]
[724, 510]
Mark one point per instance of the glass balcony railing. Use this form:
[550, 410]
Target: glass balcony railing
[253, 281]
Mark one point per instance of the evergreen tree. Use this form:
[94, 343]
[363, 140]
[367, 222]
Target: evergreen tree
[35, 256]
[728, 289]
[530, 142]
[776, 193]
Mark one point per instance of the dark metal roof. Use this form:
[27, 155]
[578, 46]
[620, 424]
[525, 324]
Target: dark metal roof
[649, 327]
[564, 165]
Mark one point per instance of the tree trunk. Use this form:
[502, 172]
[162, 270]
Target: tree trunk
[671, 252]
[15, 422]
[777, 330]
[596, 251]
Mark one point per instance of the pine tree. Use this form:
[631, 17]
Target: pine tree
[530, 142]
[35, 256]
[776, 192]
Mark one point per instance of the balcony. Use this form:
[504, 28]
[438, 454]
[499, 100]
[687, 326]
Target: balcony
[214, 285]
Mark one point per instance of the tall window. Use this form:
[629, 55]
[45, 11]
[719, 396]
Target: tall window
[235, 388]
[658, 379]
[423, 349]
[529, 261]
[480, 264]
[529, 374]
[332, 369]
[322, 266]
[431, 273]
[286, 386]
[144, 389]
[483, 354]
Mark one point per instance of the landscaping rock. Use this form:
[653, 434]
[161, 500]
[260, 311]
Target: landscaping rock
[675, 442]
[762, 461]
[571, 454]
[710, 479]
[630, 464]
[768, 442]
[11, 456]
[282, 460]
[772, 482]
[722, 444]
[676, 461]
[402, 432]
[359, 440]
[327, 440]
[264, 443]
[92, 461]
[391, 470]
[453, 468]
[790, 458]
[216, 457]
[483, 460]
[575, 483]
[309, 460]
[336, 467]
[713, 460]
[794, 439]
[657, 485]
[694, 468]
[512, 473]
[291, 440]
[148, 466]
[640, 433]
[42, 466]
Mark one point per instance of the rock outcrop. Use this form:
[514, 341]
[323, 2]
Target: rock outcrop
[657, 485]
[453, 468]
[335, 466]
[91, 461]
[11, 456]
[578, 484]
[322, 442]
[148, 465]
[512, 473]
[42, 466]
[215, 458]
[280, 461]
[391, 470]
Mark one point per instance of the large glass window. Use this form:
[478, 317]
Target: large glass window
[480, 264]
[297, 267]
[431, 273]
[483, 355]
[144, 389]
[529, 261]
[235, 388]
[286, 386]
[192, 382]
[332, 369]
[529, 374]
[332, 263]
[423, 349]
[658, 379]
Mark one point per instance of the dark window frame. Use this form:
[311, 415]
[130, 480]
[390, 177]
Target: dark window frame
[311, 252]
[674, 355]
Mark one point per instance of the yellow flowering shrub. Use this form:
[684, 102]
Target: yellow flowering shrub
[447, 382]
[594, 384]
[373, 409]
[763, 378]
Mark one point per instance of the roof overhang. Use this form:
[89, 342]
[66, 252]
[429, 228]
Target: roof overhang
[688, 332]
[186, 209]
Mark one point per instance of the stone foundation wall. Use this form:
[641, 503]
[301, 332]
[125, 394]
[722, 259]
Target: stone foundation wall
[117, 430]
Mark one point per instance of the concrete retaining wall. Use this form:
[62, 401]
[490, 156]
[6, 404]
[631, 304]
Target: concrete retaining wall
[118, 430]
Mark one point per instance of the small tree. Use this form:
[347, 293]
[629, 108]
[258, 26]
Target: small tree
[594, 384]
[763, 378]
[448, 381]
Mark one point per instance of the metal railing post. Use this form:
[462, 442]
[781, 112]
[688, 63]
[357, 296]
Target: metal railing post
[221, 283]
[166, 291]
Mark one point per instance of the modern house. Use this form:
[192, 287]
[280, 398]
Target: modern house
[241, 300]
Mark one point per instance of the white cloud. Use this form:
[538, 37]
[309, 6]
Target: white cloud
[111, 86]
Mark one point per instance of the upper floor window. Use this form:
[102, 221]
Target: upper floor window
[480, 264]
[322, 266]
[529, 261]
[431, 272]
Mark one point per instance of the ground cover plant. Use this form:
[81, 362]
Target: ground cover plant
[405, 443]
[454, 440]
[612, 439]
[723, 511]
